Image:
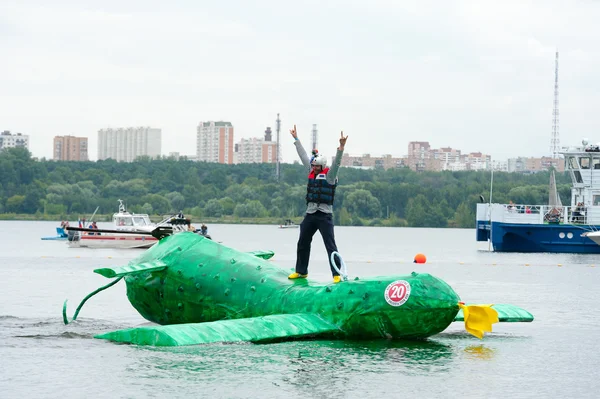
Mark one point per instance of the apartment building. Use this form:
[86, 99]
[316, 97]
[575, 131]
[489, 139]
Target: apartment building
[12, 140]
[214, 142]
[70, 148]
[127, 144]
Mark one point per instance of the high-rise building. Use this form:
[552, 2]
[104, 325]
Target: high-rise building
[256, 150]
[126, 144]
[214, 142]
[9, 140]
[70, 148]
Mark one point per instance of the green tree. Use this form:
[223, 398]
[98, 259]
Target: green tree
[228, 205]
[464, 216]
[147, 208]
[362, 203]
[344, 218]
[15, 203]
[177, 200]
[159, 204]
[213, 208]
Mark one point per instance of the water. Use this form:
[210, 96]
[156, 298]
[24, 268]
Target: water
[555, 356]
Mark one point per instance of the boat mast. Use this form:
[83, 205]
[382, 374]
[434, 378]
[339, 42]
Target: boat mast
[555, 140]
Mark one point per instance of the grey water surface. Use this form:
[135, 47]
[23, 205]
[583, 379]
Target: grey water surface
[556, 356]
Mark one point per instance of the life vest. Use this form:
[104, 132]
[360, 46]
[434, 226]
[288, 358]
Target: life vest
[318, 190]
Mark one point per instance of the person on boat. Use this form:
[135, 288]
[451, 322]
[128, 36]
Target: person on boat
[511, 206]
[578, 213]
[203, 230]
[180, 215]
[93, 226]
[320, 192]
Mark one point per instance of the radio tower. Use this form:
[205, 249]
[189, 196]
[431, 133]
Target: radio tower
[314, 137]
[277, 148]
[555, 142]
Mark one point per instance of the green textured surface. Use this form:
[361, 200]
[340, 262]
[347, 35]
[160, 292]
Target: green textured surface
[206, 281]
[506, 313]
[251, 330]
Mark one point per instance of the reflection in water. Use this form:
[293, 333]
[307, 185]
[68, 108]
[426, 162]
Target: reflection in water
[302, 368]
[479, 352]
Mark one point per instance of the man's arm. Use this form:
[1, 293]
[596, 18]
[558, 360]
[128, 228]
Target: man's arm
[333, 171]
[302, 153]
[299, 149]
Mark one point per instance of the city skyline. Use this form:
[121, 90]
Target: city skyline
[92, 153]
[475, 76]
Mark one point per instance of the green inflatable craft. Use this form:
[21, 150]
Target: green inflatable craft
[200, 291]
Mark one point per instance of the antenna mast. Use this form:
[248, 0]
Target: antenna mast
[314, 137]
[555, 141]
[277, 173]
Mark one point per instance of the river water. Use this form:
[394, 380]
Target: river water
[555, 356]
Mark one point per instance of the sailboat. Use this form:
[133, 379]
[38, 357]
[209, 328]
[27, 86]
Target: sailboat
[553, 227]
[555, 208]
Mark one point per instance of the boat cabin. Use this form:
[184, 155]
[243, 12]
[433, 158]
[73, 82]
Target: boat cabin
[583, 165]
[126, 220]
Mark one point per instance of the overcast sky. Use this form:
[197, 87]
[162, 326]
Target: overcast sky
[473, 75]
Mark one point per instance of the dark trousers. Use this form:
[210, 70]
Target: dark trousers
[309, 226]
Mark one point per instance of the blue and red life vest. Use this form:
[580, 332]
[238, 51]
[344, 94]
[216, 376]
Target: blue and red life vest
[318, 190]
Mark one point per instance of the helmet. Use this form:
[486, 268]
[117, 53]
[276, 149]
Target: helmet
[318, 159]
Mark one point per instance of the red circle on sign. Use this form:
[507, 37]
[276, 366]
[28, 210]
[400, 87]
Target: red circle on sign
[397, 293]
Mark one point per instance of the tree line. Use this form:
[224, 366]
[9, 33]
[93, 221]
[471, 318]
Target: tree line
[393, 197]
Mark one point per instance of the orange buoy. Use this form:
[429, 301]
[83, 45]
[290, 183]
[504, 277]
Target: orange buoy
[420, 258]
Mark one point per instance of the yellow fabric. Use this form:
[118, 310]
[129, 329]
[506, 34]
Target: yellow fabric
[479, 318]
[336, 279]
[297, 275]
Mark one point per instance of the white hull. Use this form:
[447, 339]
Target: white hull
[124, 241]
[594, 236]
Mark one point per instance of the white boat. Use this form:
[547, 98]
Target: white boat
[289, 224]
[129, 224]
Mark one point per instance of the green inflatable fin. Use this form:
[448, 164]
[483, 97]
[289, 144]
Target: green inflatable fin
[506, 313]
[253, 329]
[110, 272]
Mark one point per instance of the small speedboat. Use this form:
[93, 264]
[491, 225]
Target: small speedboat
[289, 224]
[61, 235]
[130, 231]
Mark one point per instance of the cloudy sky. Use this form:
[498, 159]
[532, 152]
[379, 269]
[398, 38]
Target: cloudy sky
[474, 75]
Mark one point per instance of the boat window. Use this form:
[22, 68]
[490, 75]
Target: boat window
[578, 178]
[124, 222]
[585, 162]
[140, 221]
[596, 163]
[596, 199]
[572, 163]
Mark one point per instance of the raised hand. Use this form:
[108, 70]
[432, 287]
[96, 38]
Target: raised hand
[342, 140]
[294, 133]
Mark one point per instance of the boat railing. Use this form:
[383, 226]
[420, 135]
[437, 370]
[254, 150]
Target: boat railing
[539, 214]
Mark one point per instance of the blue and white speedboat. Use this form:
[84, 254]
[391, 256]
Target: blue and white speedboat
[552, 227]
